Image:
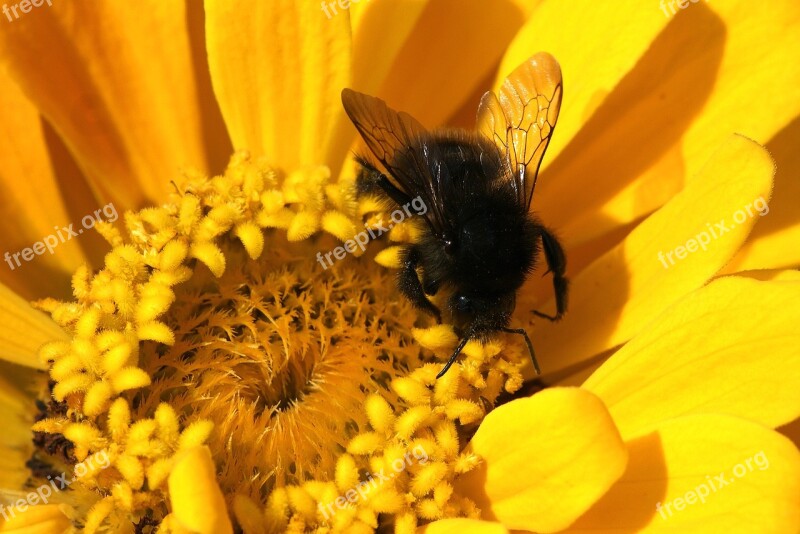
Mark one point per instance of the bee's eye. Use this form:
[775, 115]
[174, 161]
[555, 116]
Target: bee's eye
[449, 247]
[463, 304]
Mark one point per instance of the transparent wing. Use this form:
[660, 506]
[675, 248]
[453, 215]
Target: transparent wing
[521, 118]
[404, 148]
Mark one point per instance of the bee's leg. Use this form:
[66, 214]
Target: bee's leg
[429, 286]
[523, 333]
[410, 286]
[453, 356]
[557, 264]
[371, 181]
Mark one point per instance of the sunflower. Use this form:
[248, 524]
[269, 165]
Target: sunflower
[190, 367]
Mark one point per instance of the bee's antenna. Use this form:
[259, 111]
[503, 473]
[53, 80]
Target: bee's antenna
[523, 333]
[454, 355]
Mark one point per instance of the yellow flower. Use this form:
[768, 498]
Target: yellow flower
[201, 372]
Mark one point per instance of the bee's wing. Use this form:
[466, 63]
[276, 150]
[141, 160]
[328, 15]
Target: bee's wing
[521, 118]
[403, 146]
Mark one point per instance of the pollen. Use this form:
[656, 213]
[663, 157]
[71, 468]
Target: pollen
[211, 349]
[405, 462]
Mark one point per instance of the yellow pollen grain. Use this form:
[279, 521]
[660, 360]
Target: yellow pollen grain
[390, 257]
[411, 390]
[379, 412]
[436, 337]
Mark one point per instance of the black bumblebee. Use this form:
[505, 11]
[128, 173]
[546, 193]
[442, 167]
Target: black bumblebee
[480, 240]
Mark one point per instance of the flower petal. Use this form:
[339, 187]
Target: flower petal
[774, 241]
[278, 69]
[380, 29]
[37, 193]
[683, 459]
[748, 363]
[16, 407]
[44, 519]
[439, 66]
[708, 48]
[197, 502]
[774, 275]
[583, 36]
[621, 292]
[755, 35]
[546, 460]
[462, 526]
[116, 80]
[23, 330]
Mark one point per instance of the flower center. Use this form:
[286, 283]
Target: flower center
[279, 354]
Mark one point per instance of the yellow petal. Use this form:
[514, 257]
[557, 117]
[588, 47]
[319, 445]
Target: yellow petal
[23, 330]
[116, 80]
[33, 202]
[774, 275]
[380, 29]
[17, 385]
[774, 241]
[278, 69]
[760, 35]
[41, 519]
[546, 460]
[711, 48]
[746, 361]
[462, 526]
[592, 54]
[438, 67]
[197, 502]
[683, 459]
[625, 289]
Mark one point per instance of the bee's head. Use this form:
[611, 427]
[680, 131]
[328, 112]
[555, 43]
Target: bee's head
[482, 313]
